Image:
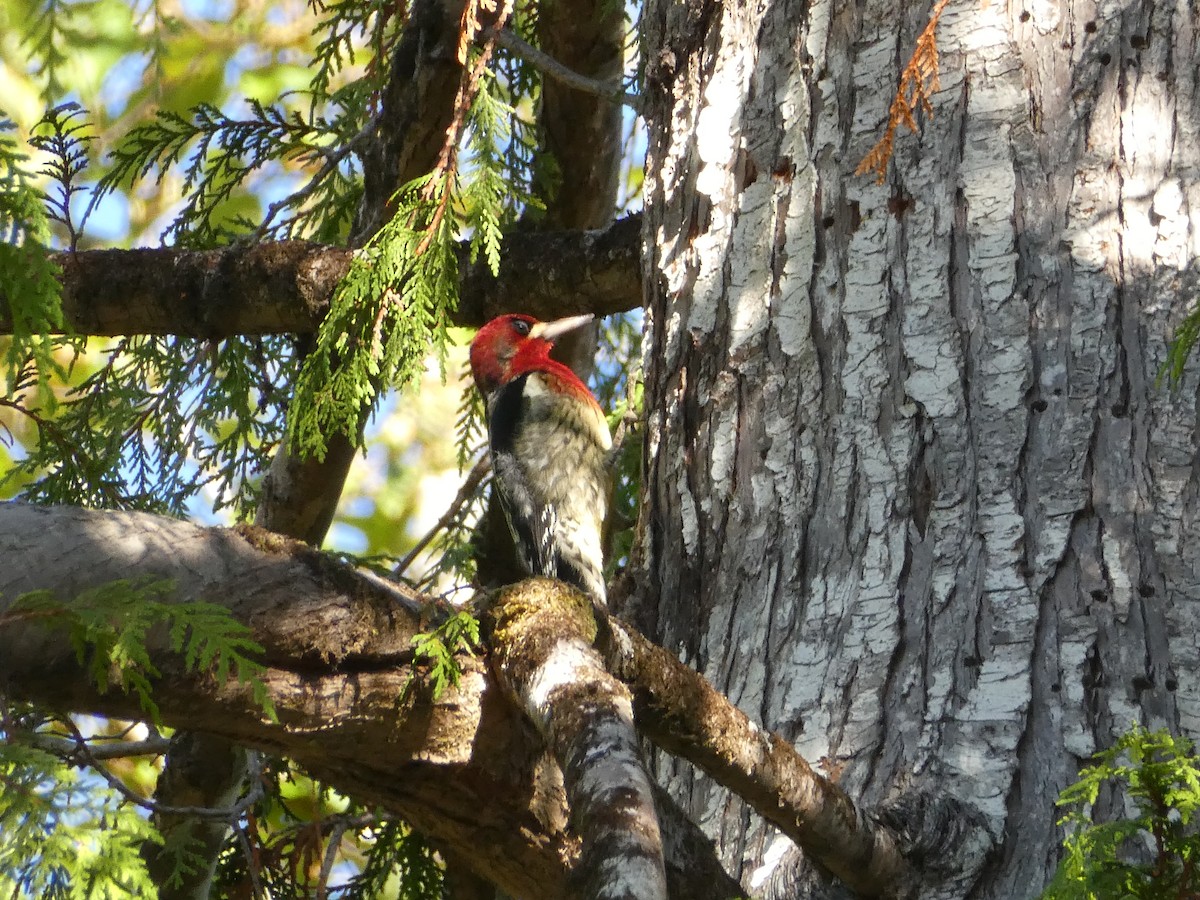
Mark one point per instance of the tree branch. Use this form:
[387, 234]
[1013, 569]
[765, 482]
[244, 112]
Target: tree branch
[544, 660]
[68, 748]
[612, 91]
[285, 287]
[682, 713]
[465, 769]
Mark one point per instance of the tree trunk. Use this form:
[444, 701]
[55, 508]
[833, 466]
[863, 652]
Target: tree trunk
[915, 497]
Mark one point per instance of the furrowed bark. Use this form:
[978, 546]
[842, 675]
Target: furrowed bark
[915, 497]
[543, 657]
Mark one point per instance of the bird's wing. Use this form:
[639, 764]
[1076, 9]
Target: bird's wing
[531, 520]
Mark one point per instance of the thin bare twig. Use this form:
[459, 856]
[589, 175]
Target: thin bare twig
[628, 422]
[68, 748]
[84, 753]
[548, 65]
[256, 887]
[340, 827]
[468, 490]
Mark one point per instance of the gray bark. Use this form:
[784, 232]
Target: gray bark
[339, 669]
[914, 495]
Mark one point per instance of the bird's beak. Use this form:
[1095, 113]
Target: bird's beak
[552, 331]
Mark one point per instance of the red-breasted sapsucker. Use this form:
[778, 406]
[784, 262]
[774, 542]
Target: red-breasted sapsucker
[549, 444]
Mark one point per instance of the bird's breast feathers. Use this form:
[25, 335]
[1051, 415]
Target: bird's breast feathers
[549, 398]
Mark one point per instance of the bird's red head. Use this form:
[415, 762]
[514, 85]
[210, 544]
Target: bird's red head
[513, 345]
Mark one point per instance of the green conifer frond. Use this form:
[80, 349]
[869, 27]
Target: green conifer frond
[1157, 777]
[162, 420]
[64, 135]
[109, 626]
[439, 649]
[29, 277]
[64, 837]
[217, 153]
[1179, 350]
[391, 308]
[49, 34]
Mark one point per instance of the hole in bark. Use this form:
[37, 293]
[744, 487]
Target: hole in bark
[1055, 688]
[1105, 59]
[855, 216]
[1137, 42]
[1058, 392]
[1090, 27]
[750, 170]
[1119, 410]
[972, 662]
[1025, 17]
[828, 221]
[1142, 682]
[1066, 45]
[899, 204]
[1171, 683]
[1099, 596]
[1039, 405]
[1146, 590]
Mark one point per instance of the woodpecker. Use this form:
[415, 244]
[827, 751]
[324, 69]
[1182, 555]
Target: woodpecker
[549, 444]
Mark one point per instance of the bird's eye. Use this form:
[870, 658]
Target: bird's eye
[521, 327]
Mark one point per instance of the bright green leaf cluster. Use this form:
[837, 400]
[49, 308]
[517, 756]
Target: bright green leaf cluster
[458, 634]
[29, 277]
[64, 838]
[391, 308]
[1152, 854]
[161, 420]
[109, 625]
[1182, 344]
[493, 194]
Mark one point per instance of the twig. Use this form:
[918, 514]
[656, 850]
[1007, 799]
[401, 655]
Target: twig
[333, 158]
[548, 65]
[468, 490]
[67, 748]
[339, 829]
[629, 421]
[256, 887]
[84, 753]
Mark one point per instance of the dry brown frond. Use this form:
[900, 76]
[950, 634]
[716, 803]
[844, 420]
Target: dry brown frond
[918, 82]
[471, 25]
